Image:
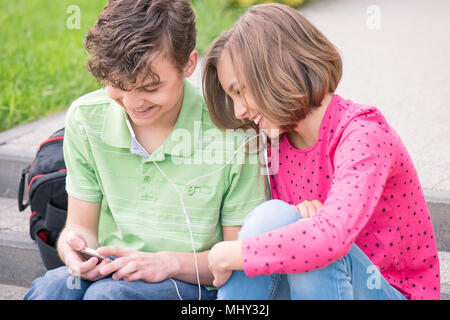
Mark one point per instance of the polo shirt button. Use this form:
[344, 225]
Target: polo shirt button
[190, 190]
[147, 179]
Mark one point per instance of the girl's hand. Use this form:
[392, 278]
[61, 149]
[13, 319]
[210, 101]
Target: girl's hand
[132, 265]
[223, 258]
[308, 208]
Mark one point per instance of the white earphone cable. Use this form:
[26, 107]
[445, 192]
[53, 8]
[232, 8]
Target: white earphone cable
[180, 195]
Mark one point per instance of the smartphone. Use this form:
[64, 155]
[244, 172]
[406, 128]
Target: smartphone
[88, 253]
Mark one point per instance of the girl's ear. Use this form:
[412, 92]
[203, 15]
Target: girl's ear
[191, 64]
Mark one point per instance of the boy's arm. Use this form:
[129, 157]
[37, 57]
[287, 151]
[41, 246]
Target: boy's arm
[81, 225]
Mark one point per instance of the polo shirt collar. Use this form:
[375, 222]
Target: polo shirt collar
[185, 136]
[182, 141]
[115, 129]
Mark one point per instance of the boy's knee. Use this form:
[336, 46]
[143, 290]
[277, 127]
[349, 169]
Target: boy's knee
[268, 216]
[108, 289]
[56, 278]
[103, 290]
[55, 284]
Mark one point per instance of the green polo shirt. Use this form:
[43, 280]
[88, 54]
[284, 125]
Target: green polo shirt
[141, 209]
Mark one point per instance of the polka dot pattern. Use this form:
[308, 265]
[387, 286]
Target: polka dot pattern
[372, 196]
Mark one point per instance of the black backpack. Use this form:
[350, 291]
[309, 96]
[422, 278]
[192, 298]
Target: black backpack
[47, 197]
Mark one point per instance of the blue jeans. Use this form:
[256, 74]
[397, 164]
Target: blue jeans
[352, 277]
[58, 284]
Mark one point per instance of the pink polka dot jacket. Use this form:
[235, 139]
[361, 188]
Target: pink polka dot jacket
[362, 173]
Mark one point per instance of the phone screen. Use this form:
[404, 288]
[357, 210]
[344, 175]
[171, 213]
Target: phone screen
[88, 253]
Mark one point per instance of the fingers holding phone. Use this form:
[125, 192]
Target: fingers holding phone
[81, 264]
[91, 269]
[73, 242]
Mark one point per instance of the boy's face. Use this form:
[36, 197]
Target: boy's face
[155, 103]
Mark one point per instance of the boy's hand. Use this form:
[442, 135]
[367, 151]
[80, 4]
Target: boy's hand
[308, 208]
[132, 265]
[87, 270]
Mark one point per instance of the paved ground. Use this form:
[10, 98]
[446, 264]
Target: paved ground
[10, 218]
[12, 292]
[398, 63]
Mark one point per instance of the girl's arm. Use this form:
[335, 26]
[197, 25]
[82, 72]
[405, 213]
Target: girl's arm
[226, 256]
[362, 168]
[186, 270]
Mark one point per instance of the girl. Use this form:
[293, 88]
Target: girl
[373, 237]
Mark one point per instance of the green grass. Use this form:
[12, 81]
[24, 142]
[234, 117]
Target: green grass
[213, 17]
[42, 61]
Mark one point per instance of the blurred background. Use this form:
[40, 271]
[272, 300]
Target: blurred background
[396, 57]
[42, 56]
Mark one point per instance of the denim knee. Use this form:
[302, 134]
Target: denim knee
[109, 289]
[105, 289]
[56, 284]
[268, 216]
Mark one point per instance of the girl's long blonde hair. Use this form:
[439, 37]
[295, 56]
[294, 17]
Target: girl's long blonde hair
[281, 60]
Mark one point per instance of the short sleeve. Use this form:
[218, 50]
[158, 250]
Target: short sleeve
[246, 189]
[81, 181]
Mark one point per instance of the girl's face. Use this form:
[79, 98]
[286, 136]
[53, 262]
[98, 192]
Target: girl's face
[243, 102]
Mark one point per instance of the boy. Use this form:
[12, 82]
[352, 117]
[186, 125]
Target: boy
[134, 189]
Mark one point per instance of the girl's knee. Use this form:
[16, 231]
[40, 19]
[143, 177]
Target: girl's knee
[268, 216]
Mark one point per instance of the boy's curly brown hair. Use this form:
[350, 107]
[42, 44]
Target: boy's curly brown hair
[130, 34]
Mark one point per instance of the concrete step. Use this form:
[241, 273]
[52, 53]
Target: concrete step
[21, 261]
[8, 292]
[18, 147]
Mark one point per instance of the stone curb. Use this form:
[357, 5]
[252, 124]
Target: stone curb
[21, 261]
[12, 166]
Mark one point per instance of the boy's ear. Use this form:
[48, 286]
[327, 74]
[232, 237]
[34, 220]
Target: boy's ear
[190, 66]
